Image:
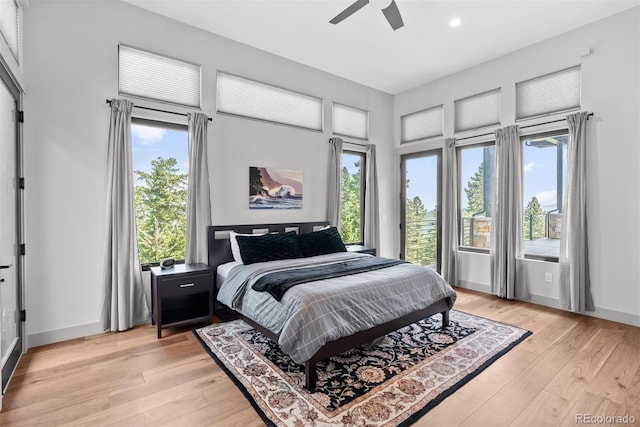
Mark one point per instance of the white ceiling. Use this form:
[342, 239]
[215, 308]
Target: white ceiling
[365, 49]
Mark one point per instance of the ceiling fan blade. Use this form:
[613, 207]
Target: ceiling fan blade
[392, 13]
[359, 4]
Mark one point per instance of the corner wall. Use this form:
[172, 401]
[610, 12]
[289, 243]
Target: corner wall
[610, 89]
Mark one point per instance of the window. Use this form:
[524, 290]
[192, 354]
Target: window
[352, 193]
[421, 125]
[350, 121]
[420, 194]
[476, 166]
[160, 170]
[160, 78]
[544, 179]
[477, 111]
[10, 17]
[553, 93]
[247, 98]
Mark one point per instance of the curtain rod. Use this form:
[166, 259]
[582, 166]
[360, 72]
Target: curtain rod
[161, 111]
[353, 143]
[521, 127]
[552, 121]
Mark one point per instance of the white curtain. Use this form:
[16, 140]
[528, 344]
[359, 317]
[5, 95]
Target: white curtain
[449, 211]
[124, 304]
[507, 247]
[575, 288]
[371, 209]
[335, 182]
[199, 196]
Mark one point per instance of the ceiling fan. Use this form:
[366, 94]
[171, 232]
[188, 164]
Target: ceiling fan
[390, 12]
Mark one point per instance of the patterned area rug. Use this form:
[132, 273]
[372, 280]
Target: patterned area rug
[392, 382]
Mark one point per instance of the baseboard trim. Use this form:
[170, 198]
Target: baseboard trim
[474, 286]
[50, 337]
[600, 313]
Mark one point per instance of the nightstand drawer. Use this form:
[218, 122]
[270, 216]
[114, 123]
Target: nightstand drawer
[185, 286]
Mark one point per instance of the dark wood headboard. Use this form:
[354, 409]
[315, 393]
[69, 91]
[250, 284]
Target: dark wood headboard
[220, 246]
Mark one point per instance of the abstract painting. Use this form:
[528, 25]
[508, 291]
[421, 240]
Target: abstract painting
[272, 188]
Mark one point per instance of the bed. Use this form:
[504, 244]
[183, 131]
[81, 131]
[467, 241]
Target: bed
[363, 306]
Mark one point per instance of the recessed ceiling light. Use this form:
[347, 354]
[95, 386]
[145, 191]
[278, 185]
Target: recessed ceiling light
[455, 22]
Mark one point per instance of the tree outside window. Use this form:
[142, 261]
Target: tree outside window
[160, 164]
[477, 164]
[544, 180]
[352, 197]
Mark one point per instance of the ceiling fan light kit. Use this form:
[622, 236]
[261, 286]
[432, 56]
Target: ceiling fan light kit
[391, 12]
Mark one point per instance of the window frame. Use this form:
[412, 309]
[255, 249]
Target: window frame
[349, 107]
[159, 100]
[481, 95]
[519, 118]
[535, 135]
[439, 108]
[273, 122]
[463, 248]
[145, 121]
[363, 190]
[438, 153]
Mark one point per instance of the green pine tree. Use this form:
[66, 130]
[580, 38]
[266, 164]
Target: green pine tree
[475, 192]
[351, 205]
[161, 211]
[421, 233]
[534, 220]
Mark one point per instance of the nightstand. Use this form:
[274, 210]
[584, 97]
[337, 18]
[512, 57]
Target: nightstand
[181, 295]
[361, 249]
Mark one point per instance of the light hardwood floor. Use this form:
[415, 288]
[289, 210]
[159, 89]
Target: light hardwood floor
[571, 365]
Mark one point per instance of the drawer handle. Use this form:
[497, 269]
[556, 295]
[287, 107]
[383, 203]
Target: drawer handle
[187, 285]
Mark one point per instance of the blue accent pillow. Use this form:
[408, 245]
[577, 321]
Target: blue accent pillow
[327, 241]
[270, 247]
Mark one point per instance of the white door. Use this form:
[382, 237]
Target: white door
[10, 282]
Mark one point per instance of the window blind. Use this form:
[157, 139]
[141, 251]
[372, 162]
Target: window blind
[148, 75]
[551, 93]
[9, 25]
[248, 98]
[421, 124]
[477, 111]
[350, 121]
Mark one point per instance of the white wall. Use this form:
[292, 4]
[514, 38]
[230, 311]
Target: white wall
[70, 68]
[610, 89]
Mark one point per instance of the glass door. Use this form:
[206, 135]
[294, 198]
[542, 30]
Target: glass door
[420, 195]
[10, 231]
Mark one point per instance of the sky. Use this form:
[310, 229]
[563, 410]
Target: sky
[149, 143]
[539, 166]
[539, 175]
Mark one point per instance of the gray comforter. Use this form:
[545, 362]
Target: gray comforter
[311, 314]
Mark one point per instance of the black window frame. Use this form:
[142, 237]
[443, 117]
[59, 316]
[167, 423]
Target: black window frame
[523, 138]
[146, 266]
[363, 192]
[483, 144]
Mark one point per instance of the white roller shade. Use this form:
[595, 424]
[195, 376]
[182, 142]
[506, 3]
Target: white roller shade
[477, 111]
[350, 121]
[9, 25]
[248, 98]
[552, 93]
[147, 75]
[421, 124]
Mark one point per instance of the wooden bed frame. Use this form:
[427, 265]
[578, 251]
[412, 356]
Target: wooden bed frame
[220, 253]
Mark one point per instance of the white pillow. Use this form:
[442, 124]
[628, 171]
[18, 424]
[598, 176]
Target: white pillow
[235, 249]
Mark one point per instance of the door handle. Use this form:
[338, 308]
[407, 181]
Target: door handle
[2, 267]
